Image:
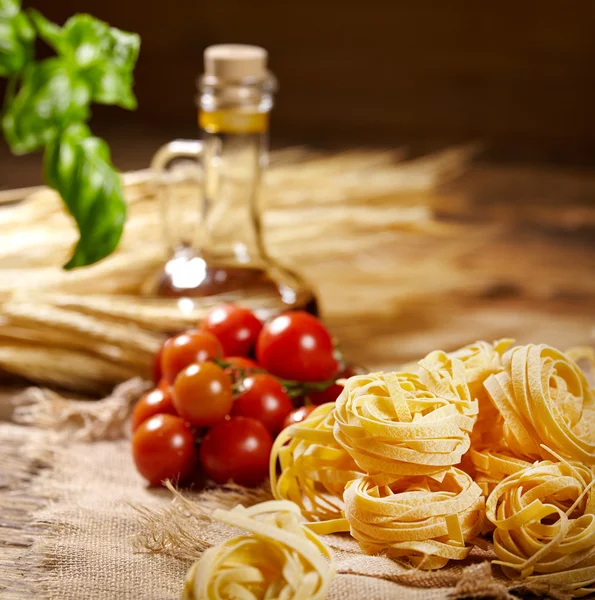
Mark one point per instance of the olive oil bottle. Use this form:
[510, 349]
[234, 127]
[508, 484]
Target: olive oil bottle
[228, 260]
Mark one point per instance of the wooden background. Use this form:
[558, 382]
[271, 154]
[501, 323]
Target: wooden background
[518, 75]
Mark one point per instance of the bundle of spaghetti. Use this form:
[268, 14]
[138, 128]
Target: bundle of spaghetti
[401, 424]
[545, 403]
[418, 517]
[280, 558]
[544, 518]
[314, 470]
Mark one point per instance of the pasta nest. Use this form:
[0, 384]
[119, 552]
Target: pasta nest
[544, 518]
[426, 520]
[314, 470]
[279, 559]
[545, 403]
[401, 424]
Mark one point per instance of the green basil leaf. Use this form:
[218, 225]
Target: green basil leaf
[107, 57]
[16, 38]
[104, 56]
[9, 8]
[111, 85]
[79, 167]
[50, 97]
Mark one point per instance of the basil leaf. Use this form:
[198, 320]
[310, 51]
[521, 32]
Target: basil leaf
[79, 167]
[111, 85]
[16, 38]
[50, 97]
[104, 56]
[9, 8]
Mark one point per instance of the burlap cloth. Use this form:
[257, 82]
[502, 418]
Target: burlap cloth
[68, 529]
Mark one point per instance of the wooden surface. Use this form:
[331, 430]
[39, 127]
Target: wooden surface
[528, 273]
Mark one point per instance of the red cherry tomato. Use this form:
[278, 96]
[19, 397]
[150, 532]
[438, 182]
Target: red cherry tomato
[163, 448]
[235, 327]
[156, 366]
[331, 393]
[298, 415]
[264, 399]
[202, 394]
[186, 349]
[155, 402]
[237, 449]
[297, 346]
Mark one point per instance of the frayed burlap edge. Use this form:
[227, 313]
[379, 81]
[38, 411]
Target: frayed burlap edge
[177, 530]
[80, 420]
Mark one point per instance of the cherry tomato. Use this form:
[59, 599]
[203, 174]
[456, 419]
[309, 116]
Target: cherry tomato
[298, 415]
[163, 448]
[156, 367]
[331, 393]
[237, 449]
[186, 349]
[235, 327]
[263, 398]
[203, 394]
[297, 346]
[155, 402]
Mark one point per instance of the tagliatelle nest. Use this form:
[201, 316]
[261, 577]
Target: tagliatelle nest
[425, 520]
[314, 470]
[544, 517]
[401, 424]
[279, 559]
[545, 402]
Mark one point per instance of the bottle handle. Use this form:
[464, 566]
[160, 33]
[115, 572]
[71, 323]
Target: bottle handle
[160, 164]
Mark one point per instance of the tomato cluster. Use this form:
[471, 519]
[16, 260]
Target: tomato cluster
[226, 389]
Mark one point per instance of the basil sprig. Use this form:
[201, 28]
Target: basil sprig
[48, 103]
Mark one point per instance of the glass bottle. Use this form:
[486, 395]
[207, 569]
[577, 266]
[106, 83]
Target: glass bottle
[227, 259]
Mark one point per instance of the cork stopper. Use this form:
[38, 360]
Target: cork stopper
[235, 62]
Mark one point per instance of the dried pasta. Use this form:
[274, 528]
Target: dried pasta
[545, 402]
[480, 360]
[314, 470]
[425, 520]
[544, 518]
[490, 468]
[401, 424]
[280, 558]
